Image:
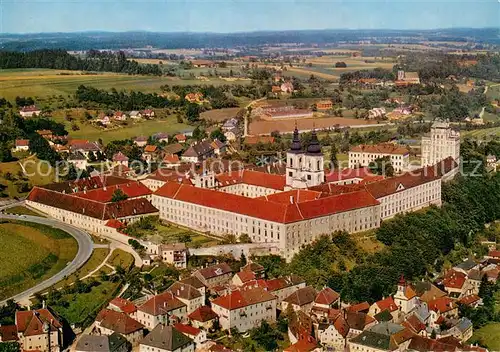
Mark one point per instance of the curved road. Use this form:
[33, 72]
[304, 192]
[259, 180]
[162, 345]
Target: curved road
[85, 247]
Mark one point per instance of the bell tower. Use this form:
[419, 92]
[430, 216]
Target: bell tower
[313, 167]
[294, 159]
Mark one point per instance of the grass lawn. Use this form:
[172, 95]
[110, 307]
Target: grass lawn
[169, 233]
[97, 257]
[121, 258]
[488, 335]
[83, 305]
[31, 254]
[36, 173]
[20, 210]
[42, 83]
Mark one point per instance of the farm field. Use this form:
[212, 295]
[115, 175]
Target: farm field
[43, 83]
[488, 335]
[219, 115]
[35, 252]
[484, 133]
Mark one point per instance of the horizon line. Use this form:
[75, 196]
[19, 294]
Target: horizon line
[245, 31]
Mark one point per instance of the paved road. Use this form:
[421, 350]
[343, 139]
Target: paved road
[85, 247]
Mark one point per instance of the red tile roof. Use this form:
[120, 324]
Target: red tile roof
[22, 142]
[180, 137]
[171, 159]
[133, 189]
[494, 253]
[468, 300]
[215, 270]
[160, 304]
[120, 157]
[341, 326]
[245, 276]
[442, 304]
[118, 322]
[203, 314]
[383, 148]
[244, 298]
[360, 307]
[292, 196]
[30, 323]
[102, 211]
[387, 304]
[85, 183]
[303, 345]
[116, 224]
[254, 178]
[262, 209]
[454, 279]
[302, 296]
[30, 108]
[187, 329]
[124, 305]
[327, 296]
[414, 323]
[150, 148]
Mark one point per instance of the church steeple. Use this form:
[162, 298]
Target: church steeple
[314, 147]
[296, 145]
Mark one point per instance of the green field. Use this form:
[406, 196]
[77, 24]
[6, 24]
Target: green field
[488, 335]
[132, 129]
[81, 306]
[30, 254]
[121, 258]
[43, 83]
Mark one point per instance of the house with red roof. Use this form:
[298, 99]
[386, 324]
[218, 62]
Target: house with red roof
[214, 275]
[120, 159]
[181, 138]
[159, 309]
[327, 298]
[334, 334]
[122, 305]
[203, 317]
[187, 294]
[33, 328]
[441, 309]
[302, 299]
[8, 333]
[382, 305]
[21, 145]
[405, 298]
[110, 321]
[29, 111]
[150, 153]
[199, 336]
[245, 309]
[242, 277]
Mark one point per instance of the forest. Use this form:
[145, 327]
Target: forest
[95, 61]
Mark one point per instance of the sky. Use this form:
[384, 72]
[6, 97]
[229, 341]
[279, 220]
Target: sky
[224, 16]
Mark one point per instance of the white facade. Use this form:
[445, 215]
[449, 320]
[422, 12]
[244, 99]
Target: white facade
[304, 170]
[442, 143]
[247, 317]
[400, 162]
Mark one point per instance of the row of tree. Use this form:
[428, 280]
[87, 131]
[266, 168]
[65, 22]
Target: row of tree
[62, 60]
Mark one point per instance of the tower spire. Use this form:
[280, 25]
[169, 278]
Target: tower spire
[296, 145]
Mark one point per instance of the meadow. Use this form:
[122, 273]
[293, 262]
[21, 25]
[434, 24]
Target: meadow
[121, 258]
[484, 133]
[488, 335]
[36, 253]
[43, 83]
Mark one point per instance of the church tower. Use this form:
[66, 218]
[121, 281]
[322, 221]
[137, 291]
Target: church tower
[313, 167]
[294, 159]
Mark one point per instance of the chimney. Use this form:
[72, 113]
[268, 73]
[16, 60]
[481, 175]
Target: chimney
[291, 199]
[43, 304]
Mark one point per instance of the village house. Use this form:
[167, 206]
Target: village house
[181, 138]
[109, 322]
[381, 337]
[119, 116]
[150, 153]
[324, 105]
[287, 87]
[78, 160]
[165, 338]
[230, 124]
[302, 299]
[135, 114]
[171, 161]
[21, 145]
[199, 336]
[160, 137]
[194, 98]
[196, 283]
[376, 113]
[280, 287]
[218, 147]
[441, 309]
[122, 305]
[363, 155]
[203, 317]
[84, 146]
[197, 152]
[148, 113]
[29, 111]
[214, 275]
[159, 309]
[46, 134]
[39, 330]
[258, 270]
[327, 298]
[383, 305]
[172, 253]
[334, 334]
[405, 298]
[141, 141]
[120, 159]
[245, 309]
[232, 134]
[187, 294]
[102, 343]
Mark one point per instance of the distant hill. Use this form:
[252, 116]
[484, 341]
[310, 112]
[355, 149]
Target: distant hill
[123, 40]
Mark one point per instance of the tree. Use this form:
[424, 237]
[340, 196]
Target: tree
[382, 166]
[10, 347]
[185, 238]
[40, 146]
[340, 64]
[243, 259]
[217, 134]
[244, 238]
[334, 163]
[199, 133]
[118, 195]
[193, 112]
[266, 336]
